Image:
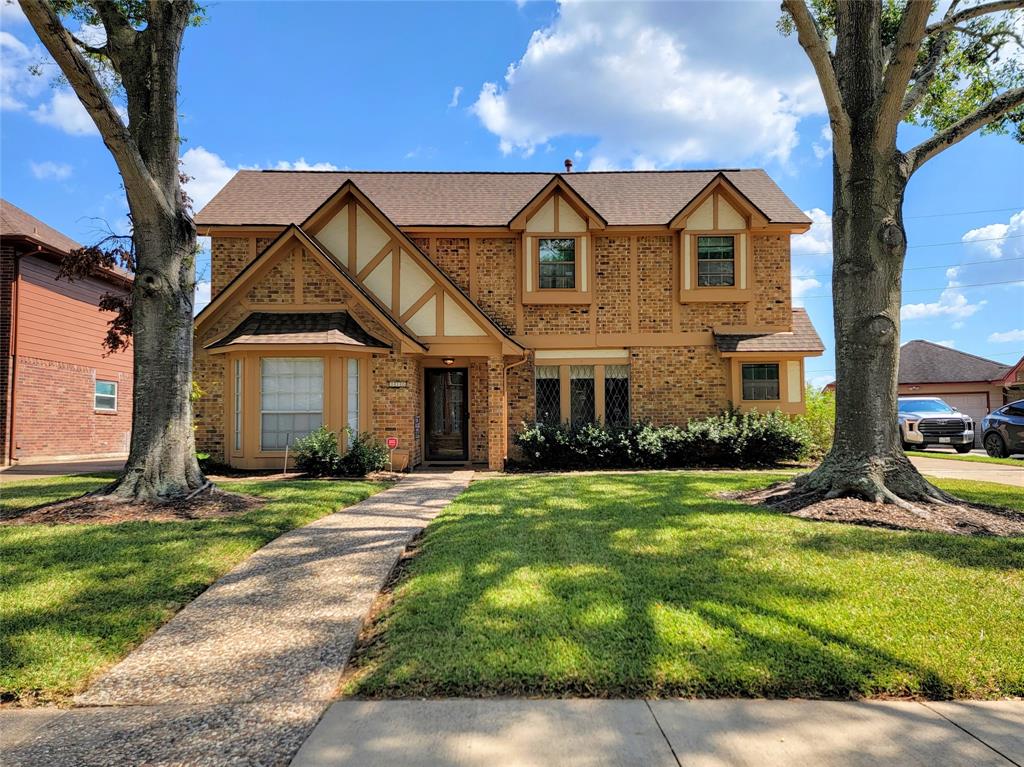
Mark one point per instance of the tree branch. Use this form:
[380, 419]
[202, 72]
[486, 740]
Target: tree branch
[961, 129]
[899, 69]
[100, 51]
[951, 20]
[83, 80]
[813, 41]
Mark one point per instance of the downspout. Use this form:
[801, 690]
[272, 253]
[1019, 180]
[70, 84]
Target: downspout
[12, 361]
[504, 401]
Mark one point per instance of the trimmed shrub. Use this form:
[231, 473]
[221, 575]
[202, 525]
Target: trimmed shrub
[365, 454]
[731, 439]
[317, 453]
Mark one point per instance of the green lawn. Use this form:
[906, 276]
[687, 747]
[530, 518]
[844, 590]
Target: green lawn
[644, 584]
[970, 457]
[25, 493]
[76, 598]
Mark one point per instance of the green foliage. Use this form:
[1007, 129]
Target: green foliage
[819, 420]
[636, 585]
[728, 439]
[318, 454]
[365, 454]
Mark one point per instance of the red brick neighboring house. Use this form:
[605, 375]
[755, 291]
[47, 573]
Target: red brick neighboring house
[61, 396]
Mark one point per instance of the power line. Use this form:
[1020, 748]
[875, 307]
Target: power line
[934, 244]
[943, 287]
[919, 268]
[965, 212]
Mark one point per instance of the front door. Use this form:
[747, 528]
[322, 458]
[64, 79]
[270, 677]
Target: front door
[447, 414]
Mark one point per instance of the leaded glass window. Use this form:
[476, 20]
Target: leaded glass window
[581, 393]
[716, 260]
[291, 399]
[761, 382]
[616, 395]
[557, 263]
[549, 394]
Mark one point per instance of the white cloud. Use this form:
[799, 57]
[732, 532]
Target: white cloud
[11, 13]
[816, 241]
[18, 86]
[949, 343]
[820, 381]
[209, 173]
[998, 240]
[48, 169]
[803, 282]
[656, 84]
[823, 148]
[456, 93]
[66, 112]
[1006, 337]
[202, 295]
[301, 164]
[952, 303]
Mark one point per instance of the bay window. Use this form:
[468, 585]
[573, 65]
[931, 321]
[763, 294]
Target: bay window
[291, 399]
[352, 405]
[761, 381]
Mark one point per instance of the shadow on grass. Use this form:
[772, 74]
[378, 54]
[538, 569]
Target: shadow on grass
[74, 598]
[632, 585]
[18, 495]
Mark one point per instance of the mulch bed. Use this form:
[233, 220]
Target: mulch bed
[103, 510]
[958, 519]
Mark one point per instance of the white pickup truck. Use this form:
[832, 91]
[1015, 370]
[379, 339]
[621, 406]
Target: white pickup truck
[930, 421]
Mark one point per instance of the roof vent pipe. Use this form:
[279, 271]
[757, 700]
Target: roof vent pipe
[568, 165]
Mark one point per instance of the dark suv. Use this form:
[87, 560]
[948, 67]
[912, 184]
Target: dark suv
[928, 421]
[1002, 431]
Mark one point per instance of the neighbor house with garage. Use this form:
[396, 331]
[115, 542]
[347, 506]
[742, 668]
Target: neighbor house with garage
[445, 310]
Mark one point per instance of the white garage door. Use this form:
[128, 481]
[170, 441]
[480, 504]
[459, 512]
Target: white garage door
[974, 405]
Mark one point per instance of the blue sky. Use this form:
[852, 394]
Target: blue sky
[507, 86]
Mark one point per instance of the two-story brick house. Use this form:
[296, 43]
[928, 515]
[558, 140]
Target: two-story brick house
[446, 309]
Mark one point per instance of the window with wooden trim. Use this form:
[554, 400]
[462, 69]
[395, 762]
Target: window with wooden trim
[616, 395]
[238, 404]
[556, 263]
[104, 396]
[291, 399]
[352, 394]
[582, 401]
[716, 261]
[548, 390]
[760, 381]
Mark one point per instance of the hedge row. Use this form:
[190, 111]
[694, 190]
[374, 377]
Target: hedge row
[730, 439]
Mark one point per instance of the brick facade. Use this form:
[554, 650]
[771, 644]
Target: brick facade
[6, 310]
[669, 384]
[54, 411]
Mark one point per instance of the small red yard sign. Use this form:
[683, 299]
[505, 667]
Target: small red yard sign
[392, 443]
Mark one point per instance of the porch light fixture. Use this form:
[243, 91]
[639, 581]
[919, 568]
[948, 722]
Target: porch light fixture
[448, 360]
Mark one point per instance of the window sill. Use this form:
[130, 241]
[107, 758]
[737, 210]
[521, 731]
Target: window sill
[716, 295]
[552, 296]
[97, 411]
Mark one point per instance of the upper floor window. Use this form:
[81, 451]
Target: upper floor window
[716, 261]
[104, 396]
[557, 263]
[761, 381]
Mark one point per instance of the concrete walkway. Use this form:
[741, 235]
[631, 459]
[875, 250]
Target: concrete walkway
[242, 674]
[947, 468]
[666, 733]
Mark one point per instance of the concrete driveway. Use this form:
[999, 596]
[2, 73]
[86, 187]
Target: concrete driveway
[947, 468]
[21, 472]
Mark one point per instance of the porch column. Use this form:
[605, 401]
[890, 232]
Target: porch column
[496, 413]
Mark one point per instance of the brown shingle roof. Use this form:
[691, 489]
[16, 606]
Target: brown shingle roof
[925, 362]
[278, 198]
[803, 338]
[299, 328]
[14, 222]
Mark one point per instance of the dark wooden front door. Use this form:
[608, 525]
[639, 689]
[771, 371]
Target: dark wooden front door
[447, 414]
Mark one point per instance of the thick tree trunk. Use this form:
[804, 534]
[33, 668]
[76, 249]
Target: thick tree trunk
[162, 461]
[869, 244]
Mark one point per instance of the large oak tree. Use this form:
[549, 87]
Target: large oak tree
[138, 57]
[880, 64]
